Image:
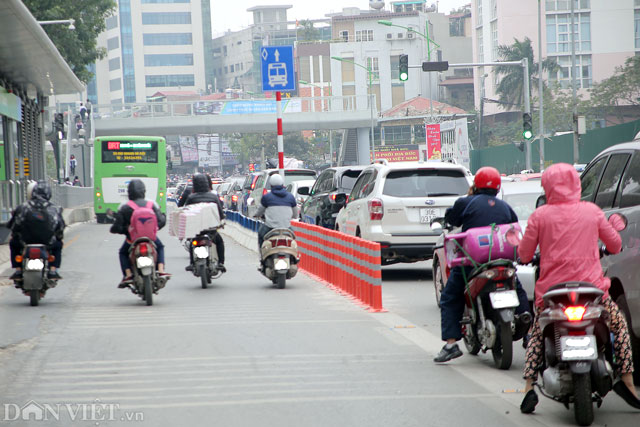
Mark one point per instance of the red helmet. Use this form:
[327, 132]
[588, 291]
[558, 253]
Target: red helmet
[487, 177]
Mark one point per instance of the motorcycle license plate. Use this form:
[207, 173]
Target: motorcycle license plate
[281, 264]
[578, 347]
[504, 299]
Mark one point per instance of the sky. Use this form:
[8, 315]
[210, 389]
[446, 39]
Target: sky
[233, 15]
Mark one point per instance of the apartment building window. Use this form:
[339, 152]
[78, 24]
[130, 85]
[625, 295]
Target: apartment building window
[494, 9]
[559, 33]
[583, 71]
[113, 43]
[166, 1]
[226, 70]
[115, 84]
[480, 44]
[637, 26]
[494, 40]
[169, 60]
[372, 64]
[170, 80]
[112, 22]
[552, 5]
[167, 39]
[114, 64]
[231, 68]
[344, 35]
[364, 36]
[479, 12]
[166, 18]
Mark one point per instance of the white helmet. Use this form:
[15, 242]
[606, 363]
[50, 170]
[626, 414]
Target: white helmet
[30, 188]
[276, 180]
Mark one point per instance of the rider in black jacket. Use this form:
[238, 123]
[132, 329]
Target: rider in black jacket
[136, 190]
[202, 194]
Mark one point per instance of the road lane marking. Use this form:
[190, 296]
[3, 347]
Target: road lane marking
[70, 242]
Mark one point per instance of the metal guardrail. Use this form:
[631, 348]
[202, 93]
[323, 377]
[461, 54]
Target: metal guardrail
[230, 107]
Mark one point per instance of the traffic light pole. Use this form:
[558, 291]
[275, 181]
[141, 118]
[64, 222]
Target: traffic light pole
[524, 63]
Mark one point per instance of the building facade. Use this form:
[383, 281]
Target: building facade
[154, 45]
[605, 36]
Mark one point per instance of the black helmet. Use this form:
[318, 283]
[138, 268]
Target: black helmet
[41, 191]
[136, 189]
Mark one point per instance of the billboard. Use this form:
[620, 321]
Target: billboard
[188, 149]
[433, 142]
[398, 153]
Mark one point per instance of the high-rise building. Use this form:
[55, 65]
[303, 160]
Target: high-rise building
[605, 36]
[154, 45]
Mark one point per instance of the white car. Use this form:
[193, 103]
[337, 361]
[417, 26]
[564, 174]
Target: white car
[294, 188]
[394, 203]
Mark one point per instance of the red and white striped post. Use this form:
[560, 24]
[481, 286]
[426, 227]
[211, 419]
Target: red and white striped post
[280, 136]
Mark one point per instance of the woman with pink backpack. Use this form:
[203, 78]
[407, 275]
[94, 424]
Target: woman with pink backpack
[131, 220]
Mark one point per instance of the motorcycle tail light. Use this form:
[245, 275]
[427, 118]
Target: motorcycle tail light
[264, 191]
[234, 198]
[194, 242]
[574, 313]
[19, 258]
[51, 258]
[332, 197]
[34, 253]
[280, 242]
[144, 250]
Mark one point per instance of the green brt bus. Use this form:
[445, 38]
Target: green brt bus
[117, 160]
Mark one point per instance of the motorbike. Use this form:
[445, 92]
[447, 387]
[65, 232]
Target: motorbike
[204, 258]
[279, 255]
[35, 266]
[489, 321]
[146, 281]
[577, 344]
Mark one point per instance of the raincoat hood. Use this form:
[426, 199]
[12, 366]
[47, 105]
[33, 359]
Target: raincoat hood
[279, 190]
[136, 189]
[200, 183]
[561, 184]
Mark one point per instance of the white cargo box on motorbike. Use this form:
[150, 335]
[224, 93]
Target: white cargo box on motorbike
[190, 220]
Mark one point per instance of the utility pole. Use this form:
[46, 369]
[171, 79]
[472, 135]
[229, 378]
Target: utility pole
[576, 154]
[527, 107]
[540, 87]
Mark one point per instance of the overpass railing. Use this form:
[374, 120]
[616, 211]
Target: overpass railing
[198, 107]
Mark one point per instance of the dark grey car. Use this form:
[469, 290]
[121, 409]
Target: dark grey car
[612, 181]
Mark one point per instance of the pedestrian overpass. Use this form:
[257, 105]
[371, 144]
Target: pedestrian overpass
[239, 115]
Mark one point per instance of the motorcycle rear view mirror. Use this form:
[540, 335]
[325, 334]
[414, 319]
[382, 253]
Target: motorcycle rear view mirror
[542, 200]
[618, 221]
[436, 225]
[341, 199]
[513, 236]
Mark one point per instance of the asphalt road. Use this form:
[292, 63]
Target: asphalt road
[243, 353]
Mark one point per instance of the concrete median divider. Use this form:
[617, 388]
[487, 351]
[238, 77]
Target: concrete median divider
[350, 265]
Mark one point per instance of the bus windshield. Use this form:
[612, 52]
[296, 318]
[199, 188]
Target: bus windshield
[129, 151]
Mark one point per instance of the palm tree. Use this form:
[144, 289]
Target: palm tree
[510, 88]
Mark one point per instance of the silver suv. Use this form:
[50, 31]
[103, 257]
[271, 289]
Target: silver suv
[262, 185]
[393, 204]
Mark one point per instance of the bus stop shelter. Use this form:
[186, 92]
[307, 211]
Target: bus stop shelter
[31, 70]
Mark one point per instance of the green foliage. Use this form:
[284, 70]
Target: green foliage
[248, 147]
[503, 133]
[78, 47]
[306, 31]
[510, 88]
[623, 88]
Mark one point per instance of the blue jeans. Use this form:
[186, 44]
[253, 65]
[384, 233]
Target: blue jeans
[125, 262]
[452, 303]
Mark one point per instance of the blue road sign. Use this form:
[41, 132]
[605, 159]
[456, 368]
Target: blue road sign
[277, 68]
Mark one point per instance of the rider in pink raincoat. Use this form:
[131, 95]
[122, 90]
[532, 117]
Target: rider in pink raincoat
[567, 231]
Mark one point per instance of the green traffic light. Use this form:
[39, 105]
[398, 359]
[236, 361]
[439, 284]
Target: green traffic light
[527, 134]
[404, 77]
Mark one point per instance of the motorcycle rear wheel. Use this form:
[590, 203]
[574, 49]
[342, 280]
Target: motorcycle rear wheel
[583, 404]
[202, 271]
[148, 290]
[281, 281]
[502, 350]
[470, 337]
[34, 297]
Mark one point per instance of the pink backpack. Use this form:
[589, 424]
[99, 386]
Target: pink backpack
[144, 222]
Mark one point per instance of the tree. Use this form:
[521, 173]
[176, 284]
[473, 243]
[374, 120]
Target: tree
[78, 47]
[621, 89]
[306, 31]
[510, 88]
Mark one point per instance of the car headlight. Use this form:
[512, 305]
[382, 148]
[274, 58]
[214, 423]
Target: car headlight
[201, 252]
[34, 264]
[144, 261]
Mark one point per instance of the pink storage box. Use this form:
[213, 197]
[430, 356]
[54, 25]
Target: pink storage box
[477, 241]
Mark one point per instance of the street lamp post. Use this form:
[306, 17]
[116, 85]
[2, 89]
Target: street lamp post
[71, 22]
[372, 152]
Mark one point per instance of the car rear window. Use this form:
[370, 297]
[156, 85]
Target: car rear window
[348, 180]
[425, 183]
[293, 176]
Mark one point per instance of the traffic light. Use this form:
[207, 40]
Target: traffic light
[527, 128]
[435, 66]
[404, 68]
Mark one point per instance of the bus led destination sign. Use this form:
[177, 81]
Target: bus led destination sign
[129, 152]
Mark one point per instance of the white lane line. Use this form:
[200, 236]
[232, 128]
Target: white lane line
[269, 322]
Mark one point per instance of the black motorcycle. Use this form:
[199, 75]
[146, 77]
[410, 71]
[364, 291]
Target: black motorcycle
[35, 261]
[204, 257]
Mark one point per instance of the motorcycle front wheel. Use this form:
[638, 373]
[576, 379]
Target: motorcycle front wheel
[582, 404]
[502, 350]
[34, 297]
[202, 271]
[148, 290]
